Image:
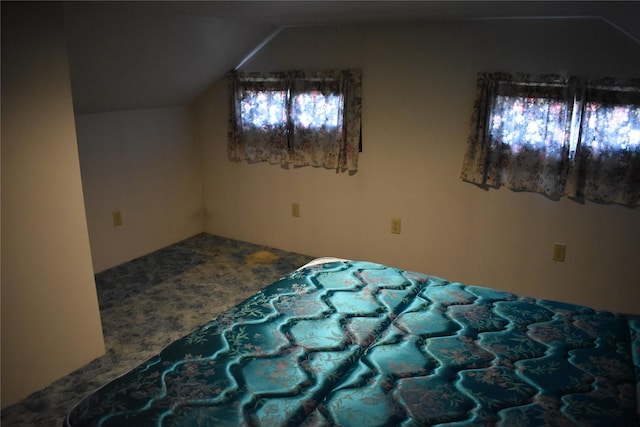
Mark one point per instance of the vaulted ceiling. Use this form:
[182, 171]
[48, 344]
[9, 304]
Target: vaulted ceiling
[130, 55]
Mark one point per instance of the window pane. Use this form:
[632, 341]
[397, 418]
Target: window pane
[263, 109]
[526, 121]
[315, 110]
[611, 127]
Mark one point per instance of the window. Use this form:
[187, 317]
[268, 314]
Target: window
[315, 110]
[557, 136]
[296, 118]
[263, 109]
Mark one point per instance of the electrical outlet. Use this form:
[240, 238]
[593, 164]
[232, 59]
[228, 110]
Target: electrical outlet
[295, 209]
[559, 251]
[395, 225]
[117, 218]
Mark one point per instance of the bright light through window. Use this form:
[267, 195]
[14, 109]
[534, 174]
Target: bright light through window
[534, 122]
[262, 109]
[311, 110]
[315, 110]
[542, 123]
[611, 127]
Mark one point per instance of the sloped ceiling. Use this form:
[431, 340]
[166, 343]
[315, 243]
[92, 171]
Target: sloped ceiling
[131, 55]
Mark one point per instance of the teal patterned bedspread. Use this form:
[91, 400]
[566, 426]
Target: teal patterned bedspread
[351, 343]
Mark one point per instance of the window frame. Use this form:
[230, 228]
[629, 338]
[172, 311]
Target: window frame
[492, 162]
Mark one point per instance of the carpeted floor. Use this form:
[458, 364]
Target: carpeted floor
[149, 302]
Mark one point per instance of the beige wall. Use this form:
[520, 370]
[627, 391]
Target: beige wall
[418, 90]
[50, 320]
[145, 164]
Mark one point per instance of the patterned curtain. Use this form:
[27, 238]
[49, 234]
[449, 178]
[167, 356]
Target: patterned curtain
[258, 117]
[607, 165]
[297, 118]
[556, 136]
[520, 133]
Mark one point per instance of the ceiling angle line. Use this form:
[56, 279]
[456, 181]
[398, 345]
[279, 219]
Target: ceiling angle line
[278, 30]
[622, 30]
[560, 17]
[261, 45]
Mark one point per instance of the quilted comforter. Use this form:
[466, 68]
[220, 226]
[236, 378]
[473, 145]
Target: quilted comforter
[361, 344]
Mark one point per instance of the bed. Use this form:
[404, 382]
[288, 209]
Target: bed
[354, 343]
